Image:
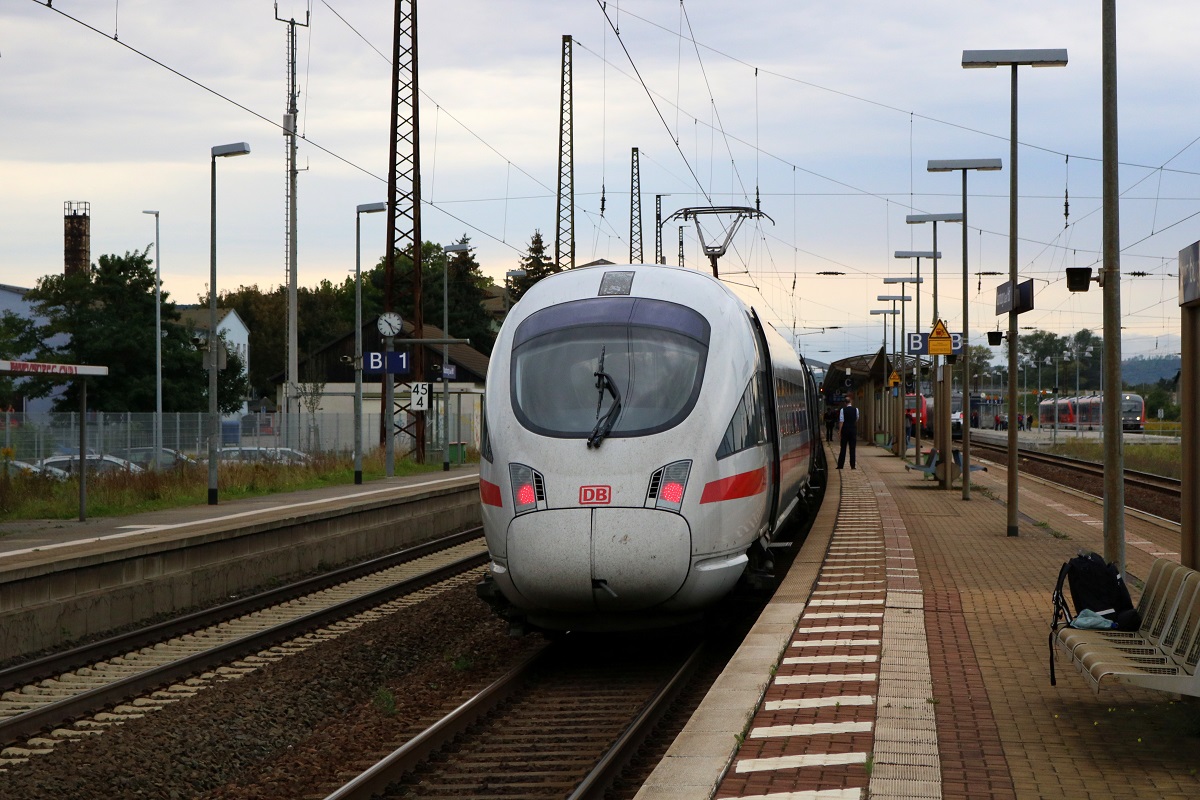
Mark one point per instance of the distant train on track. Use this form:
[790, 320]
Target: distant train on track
[1087, 413]
[646, 437]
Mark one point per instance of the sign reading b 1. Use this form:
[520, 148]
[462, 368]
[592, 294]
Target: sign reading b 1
[395, 363]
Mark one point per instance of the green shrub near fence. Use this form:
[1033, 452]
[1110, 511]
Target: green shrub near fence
[27, 497]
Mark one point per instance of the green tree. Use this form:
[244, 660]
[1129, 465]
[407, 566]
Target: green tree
[537, 265]
[104, 316]
[265, 315]
[467, 291]
[980, 363]
[18, 338]
[233, 384]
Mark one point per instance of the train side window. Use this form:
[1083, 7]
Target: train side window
[748, 427]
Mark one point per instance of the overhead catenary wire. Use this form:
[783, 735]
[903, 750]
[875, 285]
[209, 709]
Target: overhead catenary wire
[312, 143]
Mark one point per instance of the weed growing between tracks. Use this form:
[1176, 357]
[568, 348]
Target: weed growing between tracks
[24, 497]
[1157, 459]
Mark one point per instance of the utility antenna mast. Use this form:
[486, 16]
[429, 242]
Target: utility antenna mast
[404, 203]
[564, 229]
[291, 386]
[635, 211]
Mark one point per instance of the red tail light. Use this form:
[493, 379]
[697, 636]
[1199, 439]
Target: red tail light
[672, 492]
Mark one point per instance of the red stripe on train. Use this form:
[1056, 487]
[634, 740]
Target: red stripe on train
[489, 494]
[746, 484]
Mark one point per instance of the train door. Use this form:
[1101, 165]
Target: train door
[768, 393]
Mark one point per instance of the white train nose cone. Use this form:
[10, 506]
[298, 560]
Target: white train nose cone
[604, 559]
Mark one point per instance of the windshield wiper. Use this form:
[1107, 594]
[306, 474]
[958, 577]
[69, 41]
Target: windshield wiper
[604, 425]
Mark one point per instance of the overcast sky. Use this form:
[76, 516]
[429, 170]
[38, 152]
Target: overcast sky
[828, 112]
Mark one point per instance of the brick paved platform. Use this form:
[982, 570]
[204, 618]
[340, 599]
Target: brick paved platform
[905, 656]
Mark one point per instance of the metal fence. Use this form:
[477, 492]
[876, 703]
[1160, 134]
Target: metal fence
[32, 437]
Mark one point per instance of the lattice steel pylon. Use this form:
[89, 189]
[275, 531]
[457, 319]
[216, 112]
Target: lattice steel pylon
[404, 203]
[290, 243]
[635, 211]
[564, 228]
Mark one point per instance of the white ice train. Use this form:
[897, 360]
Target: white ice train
[645, 438]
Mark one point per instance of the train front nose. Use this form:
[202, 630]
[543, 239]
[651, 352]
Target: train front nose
[597, 559]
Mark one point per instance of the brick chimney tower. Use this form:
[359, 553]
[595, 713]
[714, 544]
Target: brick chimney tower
[77, 237]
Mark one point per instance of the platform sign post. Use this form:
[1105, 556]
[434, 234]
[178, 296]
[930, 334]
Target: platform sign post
[1189, 386]
[940, 341]
[81, 371]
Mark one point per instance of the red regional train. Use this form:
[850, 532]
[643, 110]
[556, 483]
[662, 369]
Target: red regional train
[1087, 413]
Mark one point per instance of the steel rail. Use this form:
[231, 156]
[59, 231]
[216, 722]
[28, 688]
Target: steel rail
[67, 660]
[31, 722]
[1143, 480]
[415, 751]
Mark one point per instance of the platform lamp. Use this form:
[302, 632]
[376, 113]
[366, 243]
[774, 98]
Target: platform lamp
[904, 343]
[214, 420]
[989, 59]
[158, 417]
[964, 165]
[893, 415]
[461, 247]
[363, 208]
[941, 406]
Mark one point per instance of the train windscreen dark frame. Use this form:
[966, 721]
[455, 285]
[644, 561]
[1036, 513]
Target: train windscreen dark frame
[654, 350]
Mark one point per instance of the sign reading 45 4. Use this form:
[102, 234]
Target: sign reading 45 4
[420, 396]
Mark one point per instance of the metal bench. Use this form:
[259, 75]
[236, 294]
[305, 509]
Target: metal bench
[930, 467]
[1163, 653]
[958, 463]
[1154, 609]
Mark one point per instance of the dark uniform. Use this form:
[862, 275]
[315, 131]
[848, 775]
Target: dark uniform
[848, 423]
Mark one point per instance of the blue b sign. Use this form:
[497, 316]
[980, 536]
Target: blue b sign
[397, 363]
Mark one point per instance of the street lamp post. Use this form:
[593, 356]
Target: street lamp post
[1078, 355]
[897, 411]
[158, 430]
[941, 393]
[917, 395]
[364, 208]
[214, 421]
[1013, 58]
[963, 165]
[885, 313]
[461, 247]
[1055, 359]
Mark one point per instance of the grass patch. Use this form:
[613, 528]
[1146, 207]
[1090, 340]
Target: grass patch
[1046, 527]
[27, 497]
[1158, 459]
[385, 701]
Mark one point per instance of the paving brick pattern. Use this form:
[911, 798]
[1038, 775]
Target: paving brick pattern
[917, 582]
[1004, 731]
[813, 733]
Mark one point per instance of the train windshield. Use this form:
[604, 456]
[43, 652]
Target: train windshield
[652, 351]
[1131, 407]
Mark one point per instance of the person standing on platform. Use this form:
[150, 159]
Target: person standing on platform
[848, 428]
[831, 418]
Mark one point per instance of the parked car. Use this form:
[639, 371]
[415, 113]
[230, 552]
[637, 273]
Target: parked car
[97, 464]
[33, 469]
[144, 457]
[271, 455]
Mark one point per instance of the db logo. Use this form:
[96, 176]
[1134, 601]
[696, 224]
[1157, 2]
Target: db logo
[595, 495]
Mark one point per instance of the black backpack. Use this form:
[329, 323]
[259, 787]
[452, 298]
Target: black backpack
[1096, 586]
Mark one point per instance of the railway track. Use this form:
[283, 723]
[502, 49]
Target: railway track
[83, 691]
[562, 724]
[1140, 480]
[1153, 494]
